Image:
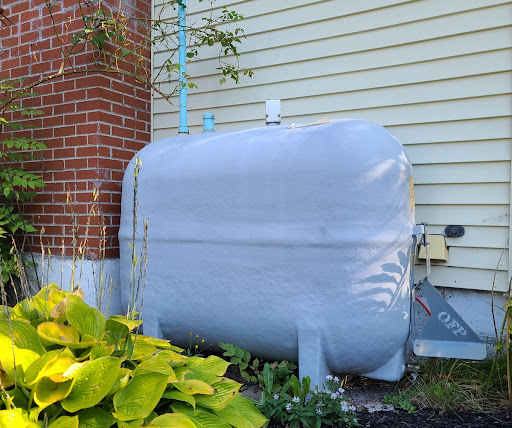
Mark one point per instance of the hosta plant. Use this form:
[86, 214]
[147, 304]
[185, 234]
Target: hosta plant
[64, 365]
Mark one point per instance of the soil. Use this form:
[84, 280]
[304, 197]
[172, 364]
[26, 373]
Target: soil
[367, 395]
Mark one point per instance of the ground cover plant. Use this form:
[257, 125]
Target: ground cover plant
[64, 365]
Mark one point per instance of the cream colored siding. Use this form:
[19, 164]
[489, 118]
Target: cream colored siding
[438, 74]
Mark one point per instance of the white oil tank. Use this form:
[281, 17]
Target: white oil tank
[293, 243]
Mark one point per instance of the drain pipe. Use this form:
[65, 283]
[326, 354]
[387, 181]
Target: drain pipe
[182, 22]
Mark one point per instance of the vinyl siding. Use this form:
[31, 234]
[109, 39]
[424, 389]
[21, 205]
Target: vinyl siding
[437, 74]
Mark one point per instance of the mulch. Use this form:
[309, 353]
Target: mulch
[424, 418]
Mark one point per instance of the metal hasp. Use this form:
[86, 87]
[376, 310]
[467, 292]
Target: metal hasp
[208, 122]
[182, 22]
[273, 112]
[446, 334]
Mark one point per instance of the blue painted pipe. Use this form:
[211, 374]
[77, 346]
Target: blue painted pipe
[183, 129]
[208, 122]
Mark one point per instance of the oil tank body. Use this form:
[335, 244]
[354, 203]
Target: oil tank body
[291, 243]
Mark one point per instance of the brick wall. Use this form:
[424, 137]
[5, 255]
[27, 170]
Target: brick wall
[92, 125]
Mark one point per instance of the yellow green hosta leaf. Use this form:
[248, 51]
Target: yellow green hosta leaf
[212, 364]
[173, 420]
[65, 422]
[138, 399]
[64, 369]
[13, 419]
[157, 366]
[122, 380]
[101, 349]
[17, 398]
[37, 369]
[142, 349]
[24, 310]
[194, 386]
[226, 391]
[192, 373]
[239, 411]
[130, 323]
[180, 396]
[95, 418]
[182, 407]
[158, 343]
[58, 333]
[47, 298]
[64, 335]
[92, 383]
[137, 423]
[83, 318]
[173, 358]
[207, 420]
[25, 336]
[10, 354]
[47, 392]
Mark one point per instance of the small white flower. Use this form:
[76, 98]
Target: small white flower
[289, 407]
[345, 420]
[336, 379]
[354, 420]
[328, 377]
[344, 407]
[276, 397]
[334, 396]
[318, 411]
[296, 399]
[341, 390]
[352, 408]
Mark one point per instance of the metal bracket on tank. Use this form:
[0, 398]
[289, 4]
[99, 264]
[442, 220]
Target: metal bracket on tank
[445, 334]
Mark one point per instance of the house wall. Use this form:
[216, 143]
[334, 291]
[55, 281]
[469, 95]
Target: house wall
[92, 125]
[437, 74]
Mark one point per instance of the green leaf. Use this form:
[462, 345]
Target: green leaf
[207, 420]
[180, 396]
[14, 419]
[173, 420]
[65, 422]
[212, 364]
[85, 319]
[141, 395]
[95, 418]
[130, 323]
[226, 391]
[157, 366]
[194, 386]
[246, 410]
[47, 392]
[24, 334]
[9, 354]
[92, 383]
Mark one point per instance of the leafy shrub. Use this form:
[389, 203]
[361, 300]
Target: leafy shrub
[253, 371]
[64, 365]
[16, 185]
[295, 404]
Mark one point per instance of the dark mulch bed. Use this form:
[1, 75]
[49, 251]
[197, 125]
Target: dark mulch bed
[429, 419]
[426, 418]
[433, 419]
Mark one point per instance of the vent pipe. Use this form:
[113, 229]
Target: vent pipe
[208, 122]
[182, 22]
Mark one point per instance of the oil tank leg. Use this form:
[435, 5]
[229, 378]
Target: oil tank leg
[392, 370]
[312, 361]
